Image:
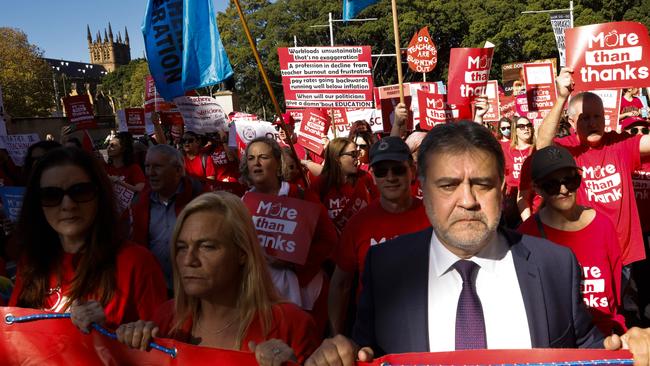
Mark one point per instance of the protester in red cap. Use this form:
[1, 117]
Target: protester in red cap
[588, 233]
[396, 212]
[72, 257]
[343, 188]
[223, 294]
[261, 167]
[121, 167]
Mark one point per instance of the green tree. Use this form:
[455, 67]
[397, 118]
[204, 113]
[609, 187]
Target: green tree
[125, 85]
[25, 78]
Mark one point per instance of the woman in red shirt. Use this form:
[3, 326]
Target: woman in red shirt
[224, 297]
[343, 188]
[71, 250]
[307, 284]
[122, 168]
[197, 164]
[522, 143]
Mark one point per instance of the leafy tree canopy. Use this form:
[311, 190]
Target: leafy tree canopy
[125, 85]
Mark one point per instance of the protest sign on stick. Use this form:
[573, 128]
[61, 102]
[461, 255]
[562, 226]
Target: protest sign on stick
[421, 54]
[312, 129]
[79, 111]
[327, 77]
[285, 226]
[435, 110]
[243, 132]
[492, 91]
[469, 72]
[609, 55]
[201, 114]
[17, 146]
[560, 21]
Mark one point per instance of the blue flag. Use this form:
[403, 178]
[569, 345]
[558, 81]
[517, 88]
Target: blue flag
[183, 45]
[351, 8]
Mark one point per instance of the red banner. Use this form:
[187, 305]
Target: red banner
[135, 120]
[79, 111]
[313, 127]
[421, 54]
[154, 102]
[609, 55]
[469, 71]
[540, 86]
[285, 226]
[434, 110]
[508, 357]
[59, 342]
[327, 77]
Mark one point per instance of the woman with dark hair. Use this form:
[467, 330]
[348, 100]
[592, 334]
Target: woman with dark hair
[197, 164]
[122, 168]
[223, 294]
[343, 188]
[261, 167]
[362, 126]
[35, 152]
[363, 140]
[71, 255]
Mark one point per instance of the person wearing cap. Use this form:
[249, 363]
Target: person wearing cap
[588, 233]
[396, 212]
[465, 283]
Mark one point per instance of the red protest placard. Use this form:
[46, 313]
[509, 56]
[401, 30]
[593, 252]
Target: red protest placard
[540, 86]
[492, 91]
[312, 128]
[327, 77]
[612, 104]
[135, 120]
[609, 55]
[507, 106]
[285, 226]
[469, 71]
[421, 54]
[79, 111]
[434, 110]
[387, 97]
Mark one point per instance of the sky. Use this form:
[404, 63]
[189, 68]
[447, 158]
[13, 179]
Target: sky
[58, 28]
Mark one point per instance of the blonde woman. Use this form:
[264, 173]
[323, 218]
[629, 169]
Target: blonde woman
[522, 142]
[224, 297]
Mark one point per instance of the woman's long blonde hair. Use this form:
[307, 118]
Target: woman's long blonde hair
[514, 139]
[257, 293]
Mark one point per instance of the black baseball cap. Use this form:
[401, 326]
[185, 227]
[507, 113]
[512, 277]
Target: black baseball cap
[549, 159]
[389, 148]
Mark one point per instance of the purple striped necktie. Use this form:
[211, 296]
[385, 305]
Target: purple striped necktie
[470, 324]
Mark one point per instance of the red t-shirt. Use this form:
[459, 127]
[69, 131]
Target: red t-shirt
[199, 167]
[224, 169]
[374, 225]
[290, 324]
[626, 106]
[129, 174]
[514, 160]
[641, 179]
[139, 288]
[607, 186]
[596, 248]
[344, 202]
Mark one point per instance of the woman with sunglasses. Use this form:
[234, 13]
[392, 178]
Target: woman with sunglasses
[223, 294]
[631, 106]
[197, 164]
[121, 167]
[72, 257]
[522, 142]
[588, 233]
[262, 168]
[343, 188]
[363, 142]
[503, 132]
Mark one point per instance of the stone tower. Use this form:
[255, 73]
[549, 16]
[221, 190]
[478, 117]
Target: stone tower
[109, 52]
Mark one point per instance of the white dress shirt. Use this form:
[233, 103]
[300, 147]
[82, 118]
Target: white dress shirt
[506, 324]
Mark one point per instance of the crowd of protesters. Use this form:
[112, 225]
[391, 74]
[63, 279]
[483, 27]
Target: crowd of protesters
[183, 260]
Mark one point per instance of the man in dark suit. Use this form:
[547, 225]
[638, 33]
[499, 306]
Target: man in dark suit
[465, 283]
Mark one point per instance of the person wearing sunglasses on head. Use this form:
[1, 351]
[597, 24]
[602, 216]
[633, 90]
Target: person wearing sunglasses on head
[396, 212]
[72, 256]
[197, 164]
[343, 188]
[363, 141]
[587, 232]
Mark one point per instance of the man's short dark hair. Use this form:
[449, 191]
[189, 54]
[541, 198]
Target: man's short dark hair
[457, 138]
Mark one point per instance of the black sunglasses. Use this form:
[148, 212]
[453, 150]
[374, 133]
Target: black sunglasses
[527, 125]
[188, 140]
[382, 171]
[505, 128]
[362, 146]
[80, 193]
[636, 130]
[354, 154]
[553, 186]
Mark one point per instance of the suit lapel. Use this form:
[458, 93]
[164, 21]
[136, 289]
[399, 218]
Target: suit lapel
[530, 284]
[418, 305]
